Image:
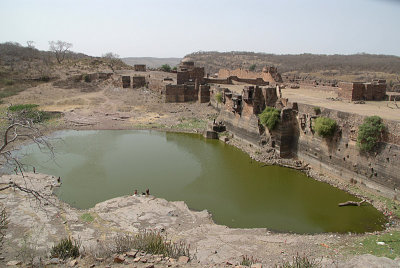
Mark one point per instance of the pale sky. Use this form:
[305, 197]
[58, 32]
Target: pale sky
[174, 28]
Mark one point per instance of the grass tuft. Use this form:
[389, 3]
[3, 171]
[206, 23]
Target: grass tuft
[300, 262]
[151, 242]
[66, 248]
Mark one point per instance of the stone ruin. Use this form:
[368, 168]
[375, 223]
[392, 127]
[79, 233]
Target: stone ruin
[139, 67]
[268, 75]
[190, 85]
[138, 81]
[358, 91]
[126, 81]
[251, 101]
[132, 82]
[188, 72]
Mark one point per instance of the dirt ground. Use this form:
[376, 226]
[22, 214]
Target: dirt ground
[106, 106]
[323, 97]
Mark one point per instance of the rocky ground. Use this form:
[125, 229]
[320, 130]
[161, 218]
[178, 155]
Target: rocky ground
[34, 227]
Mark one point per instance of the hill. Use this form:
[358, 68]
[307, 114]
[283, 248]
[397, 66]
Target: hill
[151, 62]
[23, 67]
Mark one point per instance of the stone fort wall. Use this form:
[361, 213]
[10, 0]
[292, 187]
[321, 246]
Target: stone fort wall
[341, 156]
[271, 77]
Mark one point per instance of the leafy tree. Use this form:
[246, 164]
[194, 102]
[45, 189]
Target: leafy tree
[166, 68]
[60, 49]
[270, 117]
[253, 67]
[325, 127]
[369, 133]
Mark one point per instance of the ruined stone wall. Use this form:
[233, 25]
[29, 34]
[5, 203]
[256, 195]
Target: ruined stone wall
[356, 91]
[126, 81]
[190, 75]
[104, 76]
[139, 67]
[174, 93]
[204, 93]
[246, 74]
[256, 81]
[180, 93]
[375, 91]
[182, 77]
[340, 154]
[138, 81]
[270, 96]
[225, 81]
[295, 137]
[286, 133]
[245, 128]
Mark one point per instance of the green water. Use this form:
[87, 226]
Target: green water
[206, 174]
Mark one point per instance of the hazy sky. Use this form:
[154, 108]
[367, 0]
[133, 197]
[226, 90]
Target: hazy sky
[173, 28]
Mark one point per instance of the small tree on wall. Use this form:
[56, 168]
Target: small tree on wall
[270, 118]
[325, 127]
[369, 133]
[218, 98]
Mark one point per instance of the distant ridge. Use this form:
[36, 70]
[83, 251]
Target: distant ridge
[151, 61]
[306, 63]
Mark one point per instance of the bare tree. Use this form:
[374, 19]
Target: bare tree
[60, 49]
[21, 126]
[30, 44]
[112, 60]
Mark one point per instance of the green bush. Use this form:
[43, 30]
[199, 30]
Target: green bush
[66, 248]
[166, 68]
[20, 107]
[369, 133]
[30, 111]
[270, 117]
[252, 67]
[325, 127]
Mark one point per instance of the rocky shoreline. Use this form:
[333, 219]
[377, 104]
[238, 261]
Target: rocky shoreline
[213, 245]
